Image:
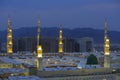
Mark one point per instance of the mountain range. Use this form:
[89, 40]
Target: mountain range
[96, 34]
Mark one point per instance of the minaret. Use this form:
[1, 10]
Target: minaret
[60, 41]
[9, 38]
[106, 47]
[39, 50]
[39, 46]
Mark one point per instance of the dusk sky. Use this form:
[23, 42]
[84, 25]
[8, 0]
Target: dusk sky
[69, 13]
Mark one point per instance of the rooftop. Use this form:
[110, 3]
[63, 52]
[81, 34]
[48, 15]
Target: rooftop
[11, 70]
[25, 78]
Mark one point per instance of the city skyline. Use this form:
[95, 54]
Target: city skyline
[71, 14]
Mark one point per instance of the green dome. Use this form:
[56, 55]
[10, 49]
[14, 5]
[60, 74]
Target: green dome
[92, 60]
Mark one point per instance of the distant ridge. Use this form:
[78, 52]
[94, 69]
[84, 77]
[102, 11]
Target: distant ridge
[96, 34]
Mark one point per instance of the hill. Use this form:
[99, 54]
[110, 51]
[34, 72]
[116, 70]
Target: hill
[96, 34]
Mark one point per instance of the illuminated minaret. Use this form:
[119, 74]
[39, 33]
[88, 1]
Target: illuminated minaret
[39, 49]
[106, 47]
[39, 46]
[60, 42]
[9, 38]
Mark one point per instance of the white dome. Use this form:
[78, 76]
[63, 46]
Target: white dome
[80, 65]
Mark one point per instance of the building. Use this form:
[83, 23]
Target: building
[86, 44]
[6, 72]
[71, 45]
[5, 65]
[24, 44]
[24, 78]
[50, 44]
[82, 74]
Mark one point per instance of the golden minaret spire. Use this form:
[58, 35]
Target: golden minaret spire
[9, 38]
[106, 47]
[60, 40]
[106, 40]
[39, 62]
[39, 46]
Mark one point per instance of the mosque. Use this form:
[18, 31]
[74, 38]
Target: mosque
[62, 66]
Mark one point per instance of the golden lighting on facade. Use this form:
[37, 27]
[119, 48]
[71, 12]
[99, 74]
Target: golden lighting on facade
[39, 47]
[10, 51]
[55, 62]
[39, 51]
[9, 38]
[10, 30]
[39, 59]
[106, 41]
[10, 42]
[60, 41]
[106, 48]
